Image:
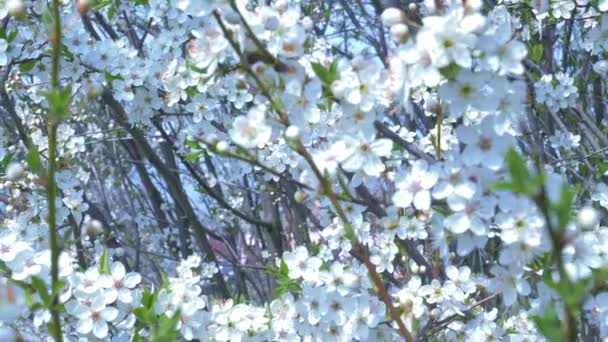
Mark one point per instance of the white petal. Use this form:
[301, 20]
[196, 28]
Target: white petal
[109, 314]
[118, 270]
[353, 163]
[523, 288]
[422, 200]
[509, 296]
[100, 329]
[84, 326]
[458, 223]
[110, 295]
[402, 198]
[457, 203]
[428, 180]
[466, 189]
[442, 190]
[132, 279]
[382, 147]
[354, 97]
[373, 166]
[125, 296]
[452, 272]
[478, 227]
[467, 242]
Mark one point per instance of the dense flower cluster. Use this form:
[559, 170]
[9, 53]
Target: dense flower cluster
[556, 91]
[239, 171]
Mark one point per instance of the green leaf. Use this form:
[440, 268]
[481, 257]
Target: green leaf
[27, 66]
[65, 52]
[195, 68]
[58, 102]
[141, 314]
[166, 331]
[278, 105]
[136, 337]
[165, 281]
[563, 208]
[58, 287]
[450, 72]
[11, 36]
[98, 5]
[193, 156]
[521, 181]
[111, 12]
[549, 325]
[517, 169]
[5, 161]
[333, 71]
[503, 186]
[104, 263]
[283, 269]
[109, 77]
[326, 75]
[193, 144]
[191, 91]
[536, 53]
[40, 287]
[33, 160]
[147, 299]
[47, 18]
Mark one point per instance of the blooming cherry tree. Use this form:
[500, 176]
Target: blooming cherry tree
[239, 170]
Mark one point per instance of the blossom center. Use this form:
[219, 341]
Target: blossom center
[485, 144]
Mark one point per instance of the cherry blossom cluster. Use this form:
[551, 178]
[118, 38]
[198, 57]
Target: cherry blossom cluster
[270, 171]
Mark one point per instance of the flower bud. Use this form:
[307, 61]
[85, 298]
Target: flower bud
[601, 67]
[300, 196]
[392, 16]
[307, 23]
[93, 228]
[281, 5]
[232, 17]
[15, 8]
[12, 301]
[587, 217]
[292, 132]
[399, 33]
[337, 88]
[221, 146]
[83, 7]
[8, 334]
[271, 22]
[14, 171]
